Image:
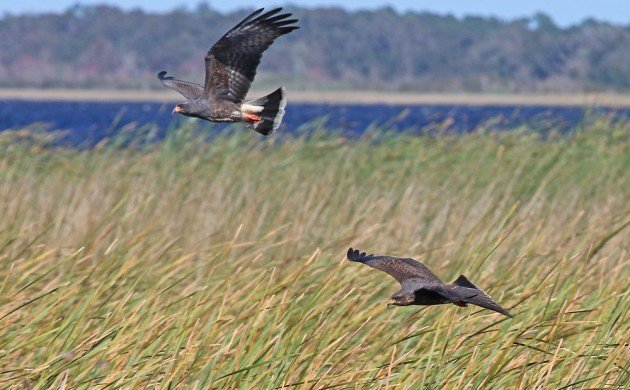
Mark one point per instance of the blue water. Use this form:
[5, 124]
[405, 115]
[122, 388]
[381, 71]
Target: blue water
[86, 123]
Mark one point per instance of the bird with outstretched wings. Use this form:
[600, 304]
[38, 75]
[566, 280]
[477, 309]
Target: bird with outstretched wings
[230, 70]
[420, 286]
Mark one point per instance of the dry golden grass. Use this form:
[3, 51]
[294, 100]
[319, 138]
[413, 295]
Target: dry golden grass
[222, 265]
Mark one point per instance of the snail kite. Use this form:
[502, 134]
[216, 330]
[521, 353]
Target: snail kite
[230, 69]
[420, 286]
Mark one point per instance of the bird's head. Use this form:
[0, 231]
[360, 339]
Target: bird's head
[401, 300]
[182, 108]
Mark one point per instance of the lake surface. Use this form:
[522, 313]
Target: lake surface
[87, 123]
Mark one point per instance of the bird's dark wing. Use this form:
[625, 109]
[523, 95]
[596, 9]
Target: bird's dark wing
[459, 294]
[231, 63]
[186, 88]
[400, 269]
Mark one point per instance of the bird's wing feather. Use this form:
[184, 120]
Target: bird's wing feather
[400, 268]
[188, 89]
[231, 63]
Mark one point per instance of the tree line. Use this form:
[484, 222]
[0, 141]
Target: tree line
[107, 47]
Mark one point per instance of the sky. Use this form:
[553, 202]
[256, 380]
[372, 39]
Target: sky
[563, 12]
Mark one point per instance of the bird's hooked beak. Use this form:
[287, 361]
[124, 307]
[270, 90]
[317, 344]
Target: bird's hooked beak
[178, 108]
[392, 301]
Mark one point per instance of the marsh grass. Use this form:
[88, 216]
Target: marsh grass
[222, 264]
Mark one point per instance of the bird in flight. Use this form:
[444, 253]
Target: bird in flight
[230, 69]
[420, 286]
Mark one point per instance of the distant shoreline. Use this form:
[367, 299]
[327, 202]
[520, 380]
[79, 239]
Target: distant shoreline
[336, 97]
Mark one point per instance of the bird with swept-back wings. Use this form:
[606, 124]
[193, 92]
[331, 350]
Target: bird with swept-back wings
[420, 286]
[230, 69]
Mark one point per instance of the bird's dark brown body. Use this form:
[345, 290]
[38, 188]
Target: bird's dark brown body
[420, 286]
[427, 298]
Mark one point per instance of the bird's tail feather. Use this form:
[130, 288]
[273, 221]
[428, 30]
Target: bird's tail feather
[267, 112]
[469, 293]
